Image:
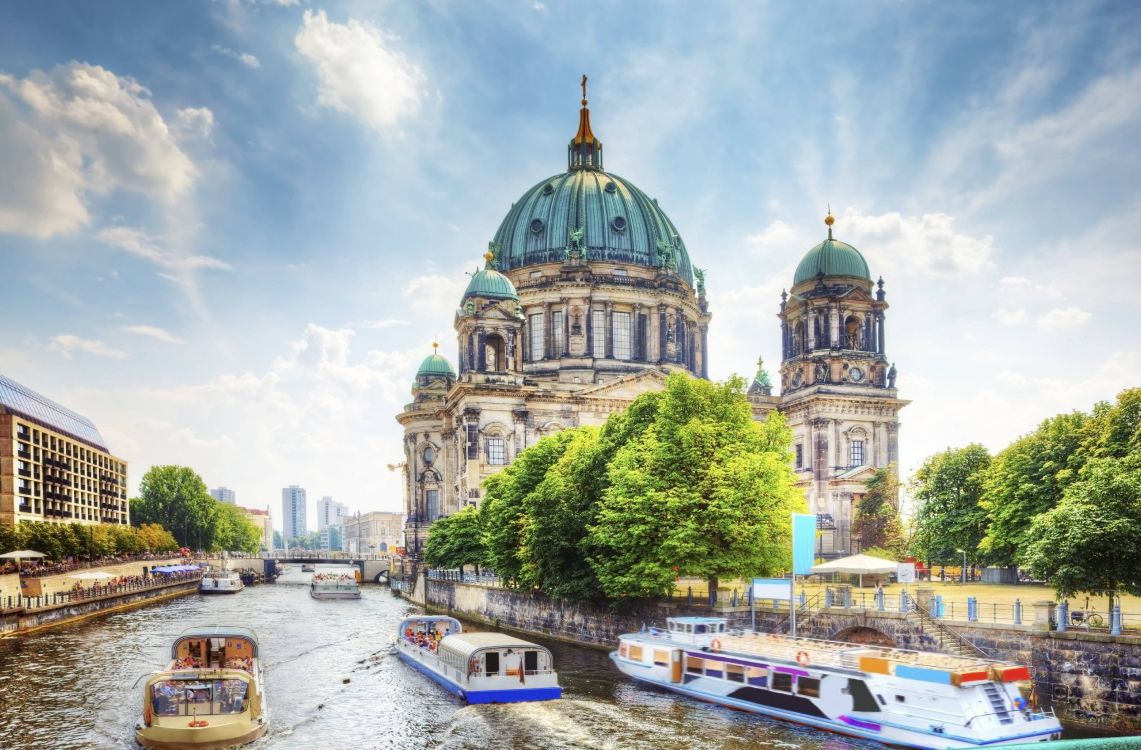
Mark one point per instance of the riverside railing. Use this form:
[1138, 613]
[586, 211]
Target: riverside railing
[77, 595]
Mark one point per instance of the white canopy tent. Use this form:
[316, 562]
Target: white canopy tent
[858, 564]
[22, 554]
[92, 575]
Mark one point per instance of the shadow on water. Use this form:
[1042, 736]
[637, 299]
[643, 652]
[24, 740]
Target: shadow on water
[334, 681]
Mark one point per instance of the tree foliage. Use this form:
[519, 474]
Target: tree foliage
[177, 497]
[876, 523]
[1092, 540]
[704, 490]
[949, 489]
[61, 541]
[456, 541]
[233, 531]
[1027, 479]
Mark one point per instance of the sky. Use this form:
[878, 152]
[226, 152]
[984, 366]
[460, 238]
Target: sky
[230, 230]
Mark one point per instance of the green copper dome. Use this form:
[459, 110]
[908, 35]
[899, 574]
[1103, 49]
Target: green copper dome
[435, 365]
[490, 284]
[610, 218]
[832, 258]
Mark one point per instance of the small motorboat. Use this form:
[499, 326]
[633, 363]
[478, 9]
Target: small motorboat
[209, 696]
[221, 582]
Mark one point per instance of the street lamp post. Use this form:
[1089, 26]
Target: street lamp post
[963, 576]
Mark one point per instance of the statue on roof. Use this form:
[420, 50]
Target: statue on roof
[576, 249]
[666, 254]
[699, 274]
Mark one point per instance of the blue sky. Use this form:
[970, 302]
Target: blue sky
[230, 230]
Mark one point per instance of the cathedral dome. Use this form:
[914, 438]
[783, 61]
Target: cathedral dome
[832, 258]
[434, 365]
[490, 284]
[619, 223]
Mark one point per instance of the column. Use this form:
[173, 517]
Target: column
[837, 323]
[609, 330]
[784, 339]
[548, 329]
[662, 346]
[566, 328]
[705, 352]
[809, 329]
[589, 327]
[879, 337]
[481, 353]
[681, 337]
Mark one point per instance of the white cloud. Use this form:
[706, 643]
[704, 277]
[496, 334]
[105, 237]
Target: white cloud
[1009, 317]
[386, 323]
[927, 243]
[1022, 287]
[140, 244]
[1064, 318]
[432, 293]
[76, 131]
[194, 122]
[154, 333]
[776, 237]
[67, 343]
[358, 72]
[245, 58]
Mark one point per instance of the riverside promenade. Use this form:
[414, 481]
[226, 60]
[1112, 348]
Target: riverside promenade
[33, 603]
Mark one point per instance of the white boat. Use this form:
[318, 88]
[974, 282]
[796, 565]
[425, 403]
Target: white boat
[478, 667]
[902, 698]
[210, 696]
[221, 582]
[334, 586]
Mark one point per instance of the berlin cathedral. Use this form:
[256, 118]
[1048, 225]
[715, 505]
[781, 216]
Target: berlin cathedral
[588, 298]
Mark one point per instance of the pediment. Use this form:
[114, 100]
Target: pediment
[628, 386]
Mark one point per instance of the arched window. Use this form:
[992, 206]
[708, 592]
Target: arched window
[495, 353]
[852, 332]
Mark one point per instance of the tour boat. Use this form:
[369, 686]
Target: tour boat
[334, 586]
[308, 568]
[221, 582]
[896, 697]
[210, 696]
[478, 667]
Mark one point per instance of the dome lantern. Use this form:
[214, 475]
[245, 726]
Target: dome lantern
[584, 151]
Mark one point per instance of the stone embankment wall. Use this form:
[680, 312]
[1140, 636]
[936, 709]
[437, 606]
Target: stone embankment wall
[10, 584]
[25, 621]
[1091, 680]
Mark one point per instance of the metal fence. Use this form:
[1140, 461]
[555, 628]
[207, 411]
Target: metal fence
[79, 594]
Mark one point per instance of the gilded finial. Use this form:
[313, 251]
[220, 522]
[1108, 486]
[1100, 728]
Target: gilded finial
[584, 89]
[829, 220]
[435, 346]
[489, 256]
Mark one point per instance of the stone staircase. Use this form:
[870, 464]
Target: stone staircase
[949, 641]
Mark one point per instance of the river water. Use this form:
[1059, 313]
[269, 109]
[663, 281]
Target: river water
[333, 681]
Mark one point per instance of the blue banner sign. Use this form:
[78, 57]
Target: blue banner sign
[803, 543]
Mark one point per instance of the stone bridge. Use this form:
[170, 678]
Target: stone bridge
[373, 568]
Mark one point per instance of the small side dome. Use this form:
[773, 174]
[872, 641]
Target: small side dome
[434, 366]
[489, 283]
[832, 258]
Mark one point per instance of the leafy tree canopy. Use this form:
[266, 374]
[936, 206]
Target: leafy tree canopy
[176, 497]
[877, 523]
[948, 488]
[456, 541]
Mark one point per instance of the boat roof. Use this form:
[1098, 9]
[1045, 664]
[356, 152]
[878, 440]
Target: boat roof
[430, 618]
[697, 620]
[215, 631]
[467, 644]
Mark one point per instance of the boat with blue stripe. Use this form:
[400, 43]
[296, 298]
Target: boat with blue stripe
[901, 698]
[477, 667]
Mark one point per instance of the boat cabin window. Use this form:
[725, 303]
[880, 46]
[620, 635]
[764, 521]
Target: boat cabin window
[693, 665]
[623, 650]
[194, 697]
[782, 682]
[531, 662]
[661, 658]
[900, 699]
[735, 672]
[635, 653]
[699, 629]
[882, 701]
[809, 686]
[713, 668]
[491, 661]
[757, 676]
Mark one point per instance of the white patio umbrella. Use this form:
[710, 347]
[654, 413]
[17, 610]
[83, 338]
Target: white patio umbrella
[858, 564]
[22, 554]
[92, 575]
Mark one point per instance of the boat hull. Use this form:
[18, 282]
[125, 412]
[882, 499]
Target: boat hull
[512, 695]
[335, 595]
[219, 591]
[198, 738]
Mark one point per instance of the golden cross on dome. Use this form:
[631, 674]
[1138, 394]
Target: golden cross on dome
[584, 89]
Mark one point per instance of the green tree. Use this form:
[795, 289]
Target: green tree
[876, 521]
[278, 542]
[177, 498]
[154, 538]
[456, 541]
[1027, 479]
[232, 530]
[704, 490]
[503, 516]
[949, 490]
[336, 538]
[1092, 540]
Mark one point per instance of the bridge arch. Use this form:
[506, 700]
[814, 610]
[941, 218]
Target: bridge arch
[864, 636]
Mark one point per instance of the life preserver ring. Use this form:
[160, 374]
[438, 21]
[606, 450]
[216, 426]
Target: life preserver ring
[716, 645]
[802, 658]
[147, 714]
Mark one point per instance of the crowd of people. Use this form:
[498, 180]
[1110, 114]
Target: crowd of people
[175, 697]
[41, 567]
[429, 640]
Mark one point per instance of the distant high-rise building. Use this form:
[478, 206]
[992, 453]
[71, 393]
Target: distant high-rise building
[224, 495]
[330, 513]
[293, 513]
[264, 523]
[54, 465]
